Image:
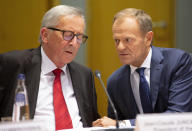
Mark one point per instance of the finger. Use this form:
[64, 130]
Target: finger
[96, 122]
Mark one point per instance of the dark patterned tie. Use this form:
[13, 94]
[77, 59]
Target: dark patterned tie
[144, 92]
[62, 116]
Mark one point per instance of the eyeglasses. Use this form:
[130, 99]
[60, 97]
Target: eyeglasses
[69, 35]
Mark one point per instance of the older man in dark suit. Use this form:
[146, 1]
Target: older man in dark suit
[61, 35]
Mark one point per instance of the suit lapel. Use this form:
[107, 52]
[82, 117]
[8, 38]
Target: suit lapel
[155, 75]
[125, 86]
[32, 70]
[77, 90]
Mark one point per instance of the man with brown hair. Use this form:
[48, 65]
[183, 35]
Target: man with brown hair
[152, 79]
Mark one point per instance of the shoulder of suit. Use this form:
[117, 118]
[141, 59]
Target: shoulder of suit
[17, 55]
[78, 66]
[171, 51]
[123, 70]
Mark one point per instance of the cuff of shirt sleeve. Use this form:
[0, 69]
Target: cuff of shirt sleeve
[128, 123]
[124, 123]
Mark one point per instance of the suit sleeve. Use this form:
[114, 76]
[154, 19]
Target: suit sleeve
[1, 87]
[110, 88]
[110, 84]
[180, 89]
[9, 68]
[8, 73]
[111, 91]
[94, 98]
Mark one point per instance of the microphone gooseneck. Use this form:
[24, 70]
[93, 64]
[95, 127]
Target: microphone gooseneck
[98, 75]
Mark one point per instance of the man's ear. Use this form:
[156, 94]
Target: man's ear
[149, 37]
[44, 35]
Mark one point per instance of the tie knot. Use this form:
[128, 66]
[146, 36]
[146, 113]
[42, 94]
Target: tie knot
[140, 71]
[57, 72]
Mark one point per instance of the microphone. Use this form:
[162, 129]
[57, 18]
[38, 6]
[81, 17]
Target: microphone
[98, 75]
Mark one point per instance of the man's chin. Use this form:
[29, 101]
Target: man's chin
[62, 63]
[126, 61]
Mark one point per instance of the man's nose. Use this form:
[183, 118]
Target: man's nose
[73, 41]
[120, 46]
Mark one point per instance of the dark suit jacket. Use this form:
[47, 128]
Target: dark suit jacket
[170, 85]
[29, 63]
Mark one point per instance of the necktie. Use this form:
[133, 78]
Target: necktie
[144, 92]
[62, 117]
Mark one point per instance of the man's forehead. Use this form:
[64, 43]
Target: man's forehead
[72, 23]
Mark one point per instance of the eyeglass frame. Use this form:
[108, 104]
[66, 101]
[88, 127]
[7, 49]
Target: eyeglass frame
[77, 34]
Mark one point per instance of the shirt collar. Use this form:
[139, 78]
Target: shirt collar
[47, 65]
[146, 63]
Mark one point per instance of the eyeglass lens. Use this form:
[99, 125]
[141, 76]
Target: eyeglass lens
[67, 35]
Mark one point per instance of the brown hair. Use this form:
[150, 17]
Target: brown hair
[143, 19]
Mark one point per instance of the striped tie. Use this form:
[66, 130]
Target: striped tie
[144, 92]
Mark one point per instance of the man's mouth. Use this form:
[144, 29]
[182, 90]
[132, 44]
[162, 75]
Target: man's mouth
[69, 52]
[122, 54]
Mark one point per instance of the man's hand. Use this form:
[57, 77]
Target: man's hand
[104, 122]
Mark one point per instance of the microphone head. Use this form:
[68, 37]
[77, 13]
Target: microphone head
[97, 73]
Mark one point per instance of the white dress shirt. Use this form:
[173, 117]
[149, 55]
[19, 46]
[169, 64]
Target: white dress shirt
[44, 108]
[135, 80]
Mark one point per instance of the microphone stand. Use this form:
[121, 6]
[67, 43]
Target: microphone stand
[98, 75]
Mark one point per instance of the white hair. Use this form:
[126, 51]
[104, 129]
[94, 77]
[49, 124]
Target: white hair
[51, 17]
